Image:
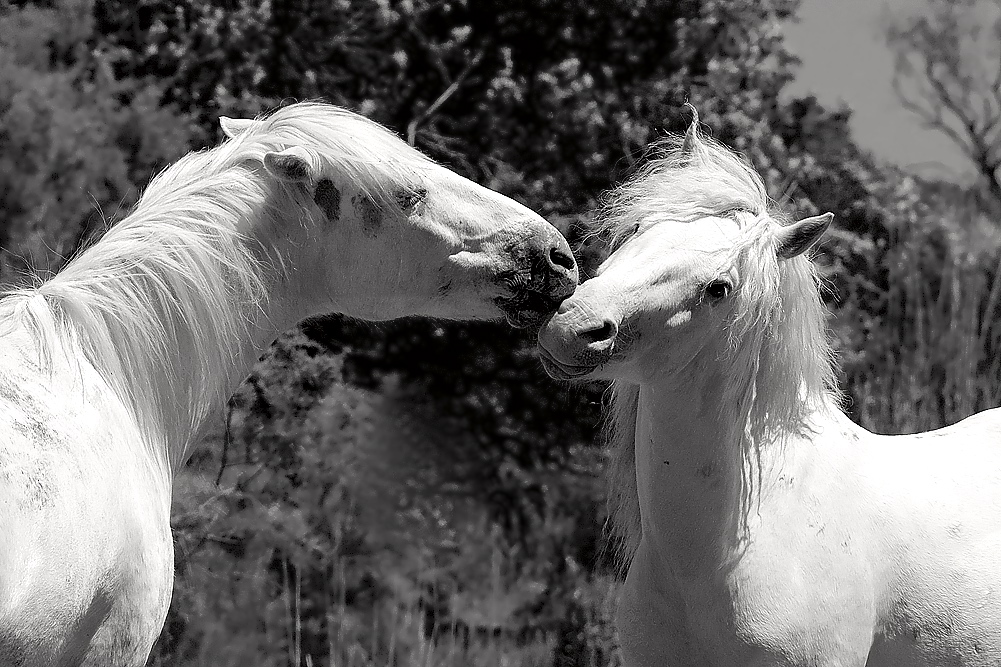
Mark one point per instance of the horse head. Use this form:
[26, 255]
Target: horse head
[694, 251]
[391, 233]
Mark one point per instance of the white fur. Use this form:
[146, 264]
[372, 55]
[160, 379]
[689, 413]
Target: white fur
[759, 525]
[111, 368]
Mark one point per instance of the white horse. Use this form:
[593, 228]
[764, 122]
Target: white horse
[110, 369]
[761, 526]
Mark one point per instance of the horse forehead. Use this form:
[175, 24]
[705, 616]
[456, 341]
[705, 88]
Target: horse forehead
[726, 228]
[713, 233]
[706, 235]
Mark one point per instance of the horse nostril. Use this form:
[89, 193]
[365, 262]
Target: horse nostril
[559, 257]
[602, 334]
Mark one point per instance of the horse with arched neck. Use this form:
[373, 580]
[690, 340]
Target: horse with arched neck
[759, 525]
[112, 367]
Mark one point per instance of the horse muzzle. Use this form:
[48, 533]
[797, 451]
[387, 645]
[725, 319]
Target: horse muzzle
[576, 340]
[550, 278]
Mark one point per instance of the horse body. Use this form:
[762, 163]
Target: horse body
[835, 565]
[113, 367]
[761, 526]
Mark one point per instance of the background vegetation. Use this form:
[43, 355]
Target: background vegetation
[419, 493]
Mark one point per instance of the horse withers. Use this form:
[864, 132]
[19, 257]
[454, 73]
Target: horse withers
[111, 369]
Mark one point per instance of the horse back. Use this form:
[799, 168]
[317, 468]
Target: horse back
[929, 507]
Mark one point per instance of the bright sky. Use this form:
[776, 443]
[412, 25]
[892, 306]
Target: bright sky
[846, 60]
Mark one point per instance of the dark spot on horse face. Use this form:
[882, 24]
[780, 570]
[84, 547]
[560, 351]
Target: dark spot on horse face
[408, 200]
[368, 211]
[445, 288]
[328, 198]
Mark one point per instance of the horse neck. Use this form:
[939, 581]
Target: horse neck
[693, 470]
[205, 318]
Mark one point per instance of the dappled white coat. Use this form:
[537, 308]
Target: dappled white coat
[109, 371]
[86, 548]
[858, 549]
[759, 524]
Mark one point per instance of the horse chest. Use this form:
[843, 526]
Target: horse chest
[754, 616]
[133, 591]
[795, 591]
[137, 608]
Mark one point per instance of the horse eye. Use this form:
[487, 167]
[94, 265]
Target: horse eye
[718, 290]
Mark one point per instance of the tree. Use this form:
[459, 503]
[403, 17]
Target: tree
[948, 72]
[76, 143]
[549, 102]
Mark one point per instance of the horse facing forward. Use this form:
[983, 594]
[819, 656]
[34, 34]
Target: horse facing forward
[761, 526]
[111, 368]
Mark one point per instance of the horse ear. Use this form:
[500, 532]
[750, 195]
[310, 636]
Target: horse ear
[795, 239]
[231, 127]
[291, 165]
[692, 135]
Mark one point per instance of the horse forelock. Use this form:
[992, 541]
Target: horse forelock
[779, 347]
[682, 182]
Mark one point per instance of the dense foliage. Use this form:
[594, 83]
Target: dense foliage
[420, 491]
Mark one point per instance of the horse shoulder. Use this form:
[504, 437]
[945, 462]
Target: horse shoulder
[84, 541]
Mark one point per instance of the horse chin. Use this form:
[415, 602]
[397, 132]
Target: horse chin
[560, 371]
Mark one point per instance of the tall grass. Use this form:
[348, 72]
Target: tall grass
[332, 544]
[376, 610]
[928, 349]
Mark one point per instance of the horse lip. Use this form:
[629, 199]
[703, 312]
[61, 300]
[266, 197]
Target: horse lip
[562, 287]
[521, 319]
[561, 371]
[528, 308]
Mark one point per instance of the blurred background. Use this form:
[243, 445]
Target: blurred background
[420, 493]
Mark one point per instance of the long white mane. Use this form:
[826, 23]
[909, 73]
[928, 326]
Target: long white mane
[157, 304]
[780, 354]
